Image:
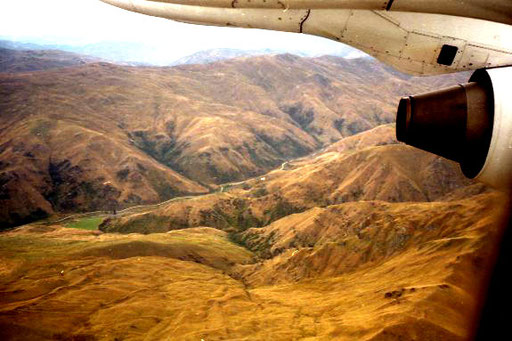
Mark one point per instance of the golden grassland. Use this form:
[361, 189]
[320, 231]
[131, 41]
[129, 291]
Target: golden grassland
[365, 239]
[325, 277]
[371, 166]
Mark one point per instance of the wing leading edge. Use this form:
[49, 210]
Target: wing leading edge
[416, 43]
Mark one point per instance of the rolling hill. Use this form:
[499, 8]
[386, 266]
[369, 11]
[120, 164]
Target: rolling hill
[293, 213]
[372, 269]
[376, 168]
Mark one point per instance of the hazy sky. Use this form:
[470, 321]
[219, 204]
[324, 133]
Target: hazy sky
[90, 21]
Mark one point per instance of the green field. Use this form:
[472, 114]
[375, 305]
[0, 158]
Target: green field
[91, 223]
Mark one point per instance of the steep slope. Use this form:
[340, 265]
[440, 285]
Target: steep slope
[186, 112]
[59, 166]
[403, 257]
[361, 172]
[355, 271]
[341, 238]
[328, 97]
[139, 127]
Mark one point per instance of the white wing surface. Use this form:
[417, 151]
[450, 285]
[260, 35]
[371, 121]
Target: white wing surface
[414, 36]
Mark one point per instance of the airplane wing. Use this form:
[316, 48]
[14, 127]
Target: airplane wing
[469, 123]
[418, 37]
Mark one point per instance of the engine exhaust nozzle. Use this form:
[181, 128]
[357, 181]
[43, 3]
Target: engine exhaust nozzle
[455, 123]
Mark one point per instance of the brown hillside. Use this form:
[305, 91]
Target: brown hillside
[392, 173]
[355, 271]
[100, 135]
[328, 97]
[298, 239]
[58, 165]
[341, 238]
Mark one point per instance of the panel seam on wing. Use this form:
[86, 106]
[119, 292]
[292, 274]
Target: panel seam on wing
[303, 20]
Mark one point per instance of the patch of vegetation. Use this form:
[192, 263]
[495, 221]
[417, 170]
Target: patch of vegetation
[158, 145]
[161, 185]
[69, 194]
[257, 157]
[233, 216]
[249, 241]
[259, 192]
[91, 223]
[281, 209]
[324, 81]
[304, 117]
[349, 128]
[242, 217]
[123, 174]
[339, 124]
[377, 115]
[17, 219]
[41, 128]
[357, 193]
[5, 178]
[220, 176]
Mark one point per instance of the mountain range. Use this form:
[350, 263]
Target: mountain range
[147, 134]
[261, 198]
[133, 53]
[403, 256]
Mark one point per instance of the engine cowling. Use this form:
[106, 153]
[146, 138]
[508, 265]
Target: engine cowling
[468, 123]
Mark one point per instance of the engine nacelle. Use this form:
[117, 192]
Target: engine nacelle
[469, 123]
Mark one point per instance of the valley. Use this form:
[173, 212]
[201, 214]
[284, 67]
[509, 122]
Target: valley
[254, 198]
[362, 270]
[141, 135]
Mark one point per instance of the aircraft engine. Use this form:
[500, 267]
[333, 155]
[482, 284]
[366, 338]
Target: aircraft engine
[469, 123]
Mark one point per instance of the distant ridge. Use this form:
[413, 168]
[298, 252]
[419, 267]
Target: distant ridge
[215, 55]
[130, 53]
[12, 60]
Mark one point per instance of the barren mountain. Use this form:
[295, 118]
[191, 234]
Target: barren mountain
[358, 270]
[364, 172]
[215, 55]
[103, 135]
[361, 239]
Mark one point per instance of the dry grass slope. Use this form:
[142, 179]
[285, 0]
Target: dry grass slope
[356, 271]
[365, 170]
[365, 239]
[99, 135]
